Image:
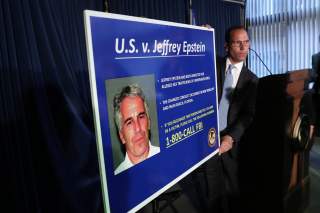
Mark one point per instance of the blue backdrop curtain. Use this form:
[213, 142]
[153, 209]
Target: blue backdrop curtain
[48, 152]
[168, 10]
[219, 15]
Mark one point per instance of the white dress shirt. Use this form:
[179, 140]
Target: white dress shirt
[232, 74]
[126, 163]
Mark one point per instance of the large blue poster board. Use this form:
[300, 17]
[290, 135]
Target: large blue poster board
[148, 143]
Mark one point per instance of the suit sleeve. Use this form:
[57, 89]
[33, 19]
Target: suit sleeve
[315, 67]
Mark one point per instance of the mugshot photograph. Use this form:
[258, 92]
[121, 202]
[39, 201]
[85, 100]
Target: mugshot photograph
[133, 123]
[133, 120]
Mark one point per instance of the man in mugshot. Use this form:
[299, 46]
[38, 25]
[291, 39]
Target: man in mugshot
[133, 125]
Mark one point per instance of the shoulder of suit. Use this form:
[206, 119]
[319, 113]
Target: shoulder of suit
[316, 55]
[250, 73]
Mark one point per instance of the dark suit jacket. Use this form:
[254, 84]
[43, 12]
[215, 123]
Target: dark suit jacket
[240, 116]
[316, 71]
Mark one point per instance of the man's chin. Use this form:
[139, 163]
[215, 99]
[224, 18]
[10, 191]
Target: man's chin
[142, 154]
[242, 58]
[143, 148]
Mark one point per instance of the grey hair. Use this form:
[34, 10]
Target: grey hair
[127, 91]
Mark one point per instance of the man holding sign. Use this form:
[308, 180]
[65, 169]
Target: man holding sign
[237, 96]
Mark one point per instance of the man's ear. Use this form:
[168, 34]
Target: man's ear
[123, 141]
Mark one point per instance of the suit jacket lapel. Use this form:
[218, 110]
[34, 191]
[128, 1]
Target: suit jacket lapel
[241, 81]
[221, 67]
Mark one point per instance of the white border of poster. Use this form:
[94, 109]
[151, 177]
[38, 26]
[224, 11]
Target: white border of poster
[183, 106]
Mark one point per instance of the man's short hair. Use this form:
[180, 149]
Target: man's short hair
[227, 36]
[127, 91]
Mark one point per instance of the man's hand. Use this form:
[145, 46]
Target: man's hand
[207, 26]
[226, 144]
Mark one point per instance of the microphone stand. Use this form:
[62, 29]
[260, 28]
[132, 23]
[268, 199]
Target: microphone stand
[261, 60]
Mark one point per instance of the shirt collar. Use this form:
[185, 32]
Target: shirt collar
[238, 66]
[128, 159]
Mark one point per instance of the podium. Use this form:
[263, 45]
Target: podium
[273, 158]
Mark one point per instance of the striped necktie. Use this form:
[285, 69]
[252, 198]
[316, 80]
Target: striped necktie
[225, 99]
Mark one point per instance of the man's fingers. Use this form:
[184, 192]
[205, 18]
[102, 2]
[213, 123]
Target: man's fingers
[224, 147]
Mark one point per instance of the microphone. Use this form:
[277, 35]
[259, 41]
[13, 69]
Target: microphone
[261, 61]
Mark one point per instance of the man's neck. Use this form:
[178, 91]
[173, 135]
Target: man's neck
[138, 159]
[238, 65]
[234, 62]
